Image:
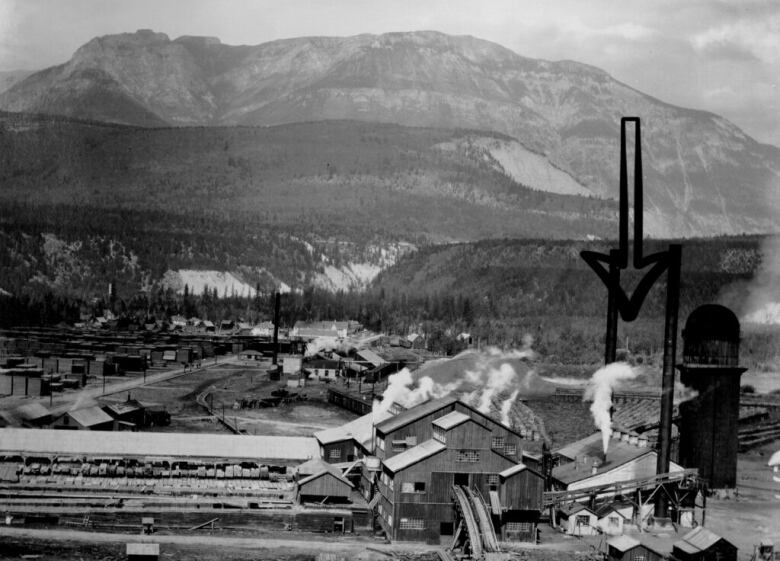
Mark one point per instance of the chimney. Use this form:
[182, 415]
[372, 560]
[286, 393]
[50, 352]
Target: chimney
[276, 327]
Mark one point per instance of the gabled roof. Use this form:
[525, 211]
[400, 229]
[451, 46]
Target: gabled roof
[574, 508]
[623, 543]
[90, 416]
[417, 412]
[311, 478]
[414, 455]
[315, 466]
[510, 471]
[698, 539]
[360, 430]
[604, 510]
[451, 420]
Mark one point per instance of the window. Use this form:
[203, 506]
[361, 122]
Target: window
[390, 520]
[419, 486]
[335, 454]
[613, 521]
[438, 434]
[517, 527]
[380, 443]
[399, 445]
[639, 558]
[498, 442]
[467, 456]
[412, 524]
[510, 450]
[492, 480]
[582, 520]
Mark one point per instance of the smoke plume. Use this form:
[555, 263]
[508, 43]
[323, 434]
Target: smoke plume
[758, 301]
[488, 376]
[506, 407]
[599, 391]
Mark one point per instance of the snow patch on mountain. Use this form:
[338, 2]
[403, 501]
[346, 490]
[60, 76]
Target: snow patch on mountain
[226, 283]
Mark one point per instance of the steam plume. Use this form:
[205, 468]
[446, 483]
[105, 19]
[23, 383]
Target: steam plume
[599, 391]
[480, 385]
[506, 407]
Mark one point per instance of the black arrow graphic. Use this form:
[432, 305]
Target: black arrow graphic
[629, 306]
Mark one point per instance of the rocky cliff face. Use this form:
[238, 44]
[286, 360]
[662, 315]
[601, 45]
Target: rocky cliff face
[703, 175]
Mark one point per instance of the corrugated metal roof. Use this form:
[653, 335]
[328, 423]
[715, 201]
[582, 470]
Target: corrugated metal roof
[414, 455]
[451, 420]
[410, 415]
[90, 416]
[510, 471]
[228, 446]
[623, 543]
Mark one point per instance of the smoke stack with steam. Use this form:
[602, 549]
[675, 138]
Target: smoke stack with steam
[599, 391]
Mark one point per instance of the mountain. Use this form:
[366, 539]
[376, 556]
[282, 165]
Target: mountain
[10, 77]
[559, 121]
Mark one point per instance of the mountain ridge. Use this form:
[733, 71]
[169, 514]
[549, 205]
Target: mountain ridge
[704, 176]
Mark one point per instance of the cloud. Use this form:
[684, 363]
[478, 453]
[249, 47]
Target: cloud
[757, 37]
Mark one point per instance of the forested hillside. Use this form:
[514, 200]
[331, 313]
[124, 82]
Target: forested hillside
[332, 177]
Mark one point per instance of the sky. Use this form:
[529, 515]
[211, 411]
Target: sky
[721, 56]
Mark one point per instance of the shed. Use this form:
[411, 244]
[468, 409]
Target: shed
[88, 418]
[32, 414]
[700, 544]
[324, 487]
[628, 548]
[612, 517]
[578, 520]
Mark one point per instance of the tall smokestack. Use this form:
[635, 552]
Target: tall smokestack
[610, 350]
[276, 327]
[667, 381]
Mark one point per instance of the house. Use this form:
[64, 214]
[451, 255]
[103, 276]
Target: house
[88, 418]
[576, 519]
[633, 548]
[613, 516]
[131, 412]
[322, 368]
[700, 544]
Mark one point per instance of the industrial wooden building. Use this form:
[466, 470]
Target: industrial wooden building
[428, 450]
